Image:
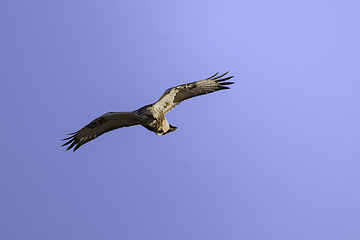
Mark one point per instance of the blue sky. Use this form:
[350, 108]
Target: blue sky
[275, 157]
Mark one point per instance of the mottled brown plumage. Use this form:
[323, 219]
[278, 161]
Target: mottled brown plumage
[152, 116]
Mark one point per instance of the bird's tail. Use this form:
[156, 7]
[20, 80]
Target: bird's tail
[171, 129]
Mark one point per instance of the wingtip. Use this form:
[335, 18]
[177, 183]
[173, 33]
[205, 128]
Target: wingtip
[213, 75]
[221, 75]
[224, 87]
[219, 78]
[76, 147]
[226, 83]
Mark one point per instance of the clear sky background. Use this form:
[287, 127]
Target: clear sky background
[275, 157]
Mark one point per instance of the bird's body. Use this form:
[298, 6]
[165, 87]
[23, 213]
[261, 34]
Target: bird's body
[151, 116]
[153, 120]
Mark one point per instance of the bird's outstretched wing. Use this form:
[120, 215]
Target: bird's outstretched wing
[105, 123]
[174, 96]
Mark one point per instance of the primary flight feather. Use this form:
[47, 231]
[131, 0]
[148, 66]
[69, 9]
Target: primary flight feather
[151, 116]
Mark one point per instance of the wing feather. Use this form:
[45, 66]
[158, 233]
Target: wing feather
[174, 96]
[105, 123]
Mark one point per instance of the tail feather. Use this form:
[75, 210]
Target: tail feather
[171, 129]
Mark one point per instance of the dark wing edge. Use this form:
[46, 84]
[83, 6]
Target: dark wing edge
[221, 80]
[103, 124]
[208, 85]
[175, 95]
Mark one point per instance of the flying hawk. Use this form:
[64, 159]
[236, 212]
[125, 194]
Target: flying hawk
[151, 116]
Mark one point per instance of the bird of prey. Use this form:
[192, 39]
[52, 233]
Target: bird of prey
[151, 116]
